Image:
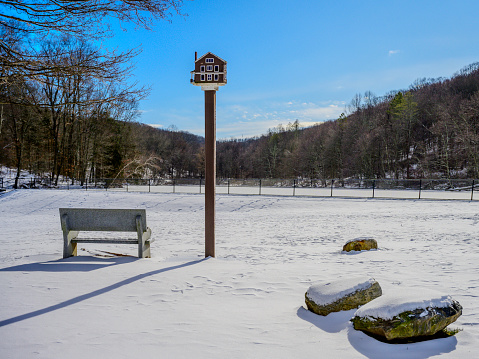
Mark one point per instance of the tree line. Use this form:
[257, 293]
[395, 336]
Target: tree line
[430, 130]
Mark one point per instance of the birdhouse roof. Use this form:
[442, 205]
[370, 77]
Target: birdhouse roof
[210, 54]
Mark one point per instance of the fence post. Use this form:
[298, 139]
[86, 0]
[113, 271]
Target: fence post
[201, 180]
[174, 183]
[374, 186]
[228, 186]
[149, 185]
[127, 185]
[86, 185]
[332, 183]
[294, 187]
[260, 186]
[420, 187]
[472, 190]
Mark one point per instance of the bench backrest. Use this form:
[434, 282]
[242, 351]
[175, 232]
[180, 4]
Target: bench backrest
[94, 219]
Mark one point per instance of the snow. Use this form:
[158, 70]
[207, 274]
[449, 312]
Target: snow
[396, 302]
[323, 293]
[248, 302]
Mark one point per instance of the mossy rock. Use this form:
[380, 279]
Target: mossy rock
[417, 323]
[360, 244]
[349, 295]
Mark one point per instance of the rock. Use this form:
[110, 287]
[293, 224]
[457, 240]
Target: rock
[399, 316]
[343, 294]
[360, 244]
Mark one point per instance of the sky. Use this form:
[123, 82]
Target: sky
[294, 59]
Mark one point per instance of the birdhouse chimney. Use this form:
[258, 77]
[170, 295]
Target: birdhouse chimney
[196, 55]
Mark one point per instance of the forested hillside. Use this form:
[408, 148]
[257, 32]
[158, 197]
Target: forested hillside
[429, 130]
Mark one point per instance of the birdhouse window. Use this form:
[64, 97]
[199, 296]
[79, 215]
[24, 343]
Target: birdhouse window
[216, 77]
[217, 68]
[202, 68]
[210, 60]
[209, 77]
[209, 68]
[202, 77]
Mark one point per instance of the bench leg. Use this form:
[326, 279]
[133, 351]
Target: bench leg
[143, 239]
[145, 251]
[146, 243]
[69, 247]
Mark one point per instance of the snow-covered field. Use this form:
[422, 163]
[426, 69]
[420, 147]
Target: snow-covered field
[246, 303]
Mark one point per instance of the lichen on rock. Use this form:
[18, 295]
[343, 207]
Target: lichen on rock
[343, 294]
[360, 244]
[426, 319]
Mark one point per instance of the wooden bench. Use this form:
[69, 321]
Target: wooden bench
[74, 220]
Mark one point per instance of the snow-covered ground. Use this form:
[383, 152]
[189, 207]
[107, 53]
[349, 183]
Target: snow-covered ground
[246, 303]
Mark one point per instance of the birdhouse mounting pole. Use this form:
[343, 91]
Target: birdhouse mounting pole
[210, 171]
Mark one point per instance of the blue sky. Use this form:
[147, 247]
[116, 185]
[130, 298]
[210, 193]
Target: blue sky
[295, 59]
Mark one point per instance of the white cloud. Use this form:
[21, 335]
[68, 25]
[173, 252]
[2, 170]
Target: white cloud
[393, 52]
[243, 121]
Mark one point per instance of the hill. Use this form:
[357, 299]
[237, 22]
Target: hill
[428, 130]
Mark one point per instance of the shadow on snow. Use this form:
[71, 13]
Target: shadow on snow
[68, 263]
[71, 264]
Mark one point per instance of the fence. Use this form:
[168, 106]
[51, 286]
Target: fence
[462, 189]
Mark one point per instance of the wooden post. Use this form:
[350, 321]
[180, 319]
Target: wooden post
[210, 171]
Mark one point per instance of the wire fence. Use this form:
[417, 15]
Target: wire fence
[461, 189]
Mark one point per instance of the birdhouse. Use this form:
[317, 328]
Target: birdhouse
[209, 72]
